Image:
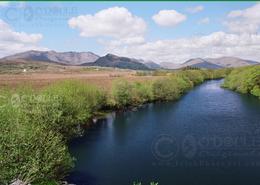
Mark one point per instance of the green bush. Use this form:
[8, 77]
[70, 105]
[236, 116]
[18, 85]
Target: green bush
[34, 127]
[125, 93]
[220, 73]
[46, 182]
[72, 103]
[256, 91]
[194, 76]
[28, 150]
[166, 89]
[122, 93]
[183, 82]
[141, 93]
[244, 80]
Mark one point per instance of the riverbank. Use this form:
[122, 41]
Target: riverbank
[36, 124]
[174, 142]
[244, 80]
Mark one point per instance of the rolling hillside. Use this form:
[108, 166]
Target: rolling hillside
[114, 61]
[65, 58]
[217, 63]
[90, 59]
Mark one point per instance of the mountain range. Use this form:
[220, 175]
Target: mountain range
[65, 58]
[110, 60]
[212, 63]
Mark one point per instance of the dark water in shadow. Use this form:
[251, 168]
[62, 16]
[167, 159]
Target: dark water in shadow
[211, 136]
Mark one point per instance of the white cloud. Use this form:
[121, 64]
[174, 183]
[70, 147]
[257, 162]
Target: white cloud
[13, 42]
[7, 34]
[4, 4]
[126, 35]
[195, 9]
[216, 44]
[169, 18]
[244, 21]
[205, 20]
[115, 22]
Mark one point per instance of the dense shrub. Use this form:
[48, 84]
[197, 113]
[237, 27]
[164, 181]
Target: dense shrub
[256, 91]
[220, 73]
[166, 89]
[28, 150]
[183, 82]
[141, 93]
[35, 125]
[74, 102]
[194, 76]
[122, 93]
[126, 93]
[244, 80]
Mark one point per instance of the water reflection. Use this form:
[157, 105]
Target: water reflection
[211, 136]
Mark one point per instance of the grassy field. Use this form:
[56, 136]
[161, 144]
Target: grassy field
[45, 75]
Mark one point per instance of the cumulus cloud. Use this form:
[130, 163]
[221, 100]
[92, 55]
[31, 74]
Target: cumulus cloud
[7, 34]
[169, 18]
[126, 35]
[195, 9]
[13, 42]
[216, 44]
[205, 20]
[244, 21]
[115, 22]
[242, 41]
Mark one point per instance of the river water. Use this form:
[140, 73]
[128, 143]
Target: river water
[210, 136]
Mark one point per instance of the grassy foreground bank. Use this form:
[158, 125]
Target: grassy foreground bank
[35, 126]
[244, 80]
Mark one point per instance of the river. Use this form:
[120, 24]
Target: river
[210, 136]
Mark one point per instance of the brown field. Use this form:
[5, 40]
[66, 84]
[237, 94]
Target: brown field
[101, 78]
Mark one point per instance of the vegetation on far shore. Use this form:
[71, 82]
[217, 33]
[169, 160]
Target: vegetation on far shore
[244, 80]
[35, 126]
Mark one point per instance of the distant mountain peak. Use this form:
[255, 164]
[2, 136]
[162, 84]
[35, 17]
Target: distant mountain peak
[67, 58]
[111, 60]
[112, 56]
[215, 63]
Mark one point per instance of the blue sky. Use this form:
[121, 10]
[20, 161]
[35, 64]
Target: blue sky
[50, 20]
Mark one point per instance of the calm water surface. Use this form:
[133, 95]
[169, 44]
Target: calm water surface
[211, 136]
